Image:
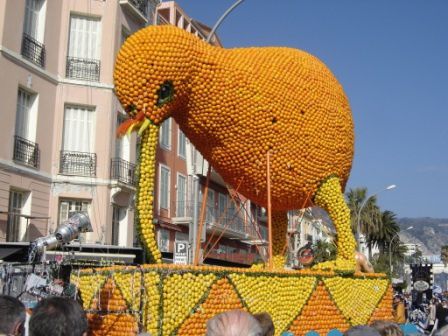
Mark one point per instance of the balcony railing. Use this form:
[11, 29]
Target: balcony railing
[33, 50]
[231, 222]
[26, 152]
[123, 171]
[241, 258]
[83, 68]
[160, 20]
[141, 5]
[77, 163]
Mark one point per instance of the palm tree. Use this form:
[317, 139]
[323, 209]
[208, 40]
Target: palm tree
[384, 232]
[369, 217]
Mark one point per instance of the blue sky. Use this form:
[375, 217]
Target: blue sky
[392, 60]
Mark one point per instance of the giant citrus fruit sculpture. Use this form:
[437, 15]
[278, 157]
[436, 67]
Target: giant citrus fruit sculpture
[235, 105]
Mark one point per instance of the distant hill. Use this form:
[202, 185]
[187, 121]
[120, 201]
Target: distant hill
[430, 233]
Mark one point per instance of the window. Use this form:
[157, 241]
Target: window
[164, 192]
[33, 32]
[16, 200]
[222, 204]
[182, 145]
[180, 236]
[77, 157]
[25, 150]
[118, 224]
[263, 232]
[165, 134]
[122, 144]
[163, 240]
[26, 116]
[211, 213]
[231, 211]
[69, 206]
[83, 61]
[181, 195]
[35, 19]
[78, 129]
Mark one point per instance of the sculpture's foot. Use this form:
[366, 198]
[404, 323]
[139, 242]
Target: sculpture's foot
[344, 266]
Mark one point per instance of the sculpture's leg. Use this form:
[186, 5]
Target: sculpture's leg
[279, 232]
[330, 197]
[145, 191]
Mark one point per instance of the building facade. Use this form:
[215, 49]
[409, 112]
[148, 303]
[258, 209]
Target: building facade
[60, 153]
[59, 113]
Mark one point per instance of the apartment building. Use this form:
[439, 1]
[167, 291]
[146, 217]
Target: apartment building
[59, 151]
[59, 114]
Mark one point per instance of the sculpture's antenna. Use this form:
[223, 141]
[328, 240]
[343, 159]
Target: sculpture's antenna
[227, 12]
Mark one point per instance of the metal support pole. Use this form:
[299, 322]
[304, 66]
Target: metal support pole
[391, 268]
[193, 228]
[201, 219]
[268, 166]
[227, 12]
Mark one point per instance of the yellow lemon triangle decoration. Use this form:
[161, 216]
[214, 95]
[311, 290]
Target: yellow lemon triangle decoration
[319, 314]
[151, 302]
[356, 298]
[281, 297]
[88, 286]
[129, 284]
[222, 297]
[384, 310]
[181, 293]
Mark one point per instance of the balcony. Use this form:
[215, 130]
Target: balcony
[33, 50]
[26, 152]
[83, 68]
[122, 171]
[240, 258]
[77, 163]
[138, 9]
[231, 224]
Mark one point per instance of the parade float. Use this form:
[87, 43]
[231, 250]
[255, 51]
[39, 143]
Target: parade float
[277, 126]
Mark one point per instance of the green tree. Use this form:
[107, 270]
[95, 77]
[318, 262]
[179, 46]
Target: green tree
[324, 251]
[384, 232]
[370, 215]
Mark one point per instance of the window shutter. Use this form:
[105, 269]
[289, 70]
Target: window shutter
[78, 127]
[23, 114]
[164, 187]
[63, 211]
[181, 190]
[85, 37]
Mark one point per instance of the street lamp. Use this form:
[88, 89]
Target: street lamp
[391, 268]
[358, 225]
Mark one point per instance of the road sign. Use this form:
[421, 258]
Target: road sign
[181, 252]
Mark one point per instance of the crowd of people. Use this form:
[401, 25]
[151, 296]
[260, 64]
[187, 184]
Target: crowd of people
[428, 315]
[53, 316]
[58, 316]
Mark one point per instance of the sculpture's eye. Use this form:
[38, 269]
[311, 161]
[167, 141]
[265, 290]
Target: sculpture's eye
[165, 93]
[130, 109]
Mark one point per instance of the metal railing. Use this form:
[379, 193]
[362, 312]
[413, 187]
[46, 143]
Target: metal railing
[33, 50]
[231, 221]
[83, 68]
[241, 258]
[160, 20]
[77, 163]
[140, 5]
[122, 170]
[26, 152]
